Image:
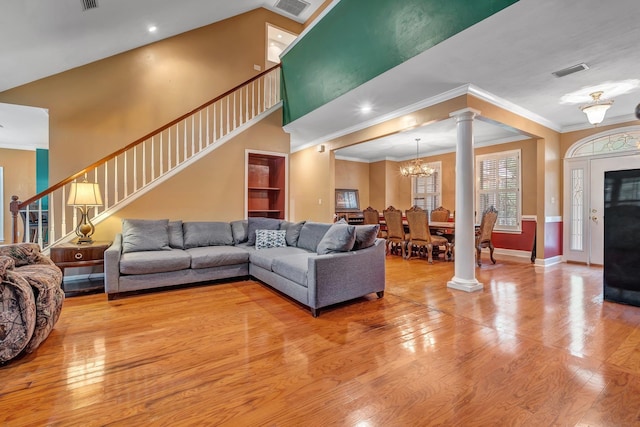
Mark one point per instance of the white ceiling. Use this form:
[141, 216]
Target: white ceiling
[43, 37]
[507, 59]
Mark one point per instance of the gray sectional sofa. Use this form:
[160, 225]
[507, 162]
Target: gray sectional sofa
[316, 264]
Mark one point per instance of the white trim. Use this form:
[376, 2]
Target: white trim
[442, 97]
[609, 122]
[516, 253]
[248, 151]
[548, 262]
[529, 218]
[576, 145]
[548, 219]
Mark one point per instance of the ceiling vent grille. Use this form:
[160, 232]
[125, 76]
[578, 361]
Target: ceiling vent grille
[89, 4]
[294, 7]
[571, 70]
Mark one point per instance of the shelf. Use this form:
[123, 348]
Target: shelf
[264, 189]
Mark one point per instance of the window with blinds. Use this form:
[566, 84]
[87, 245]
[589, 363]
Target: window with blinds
[499, 185]
[425, 190]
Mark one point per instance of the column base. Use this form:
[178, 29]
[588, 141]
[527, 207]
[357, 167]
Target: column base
[464, 284]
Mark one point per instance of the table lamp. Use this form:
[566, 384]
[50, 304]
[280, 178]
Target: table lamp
[84, 195]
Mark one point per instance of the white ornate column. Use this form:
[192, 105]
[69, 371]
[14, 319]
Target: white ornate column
[465, 266]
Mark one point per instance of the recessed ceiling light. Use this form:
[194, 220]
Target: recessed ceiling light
[152, 28]
[279, 36]
[366, 108]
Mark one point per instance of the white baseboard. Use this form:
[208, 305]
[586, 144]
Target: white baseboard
[548, 262]
[511, 252]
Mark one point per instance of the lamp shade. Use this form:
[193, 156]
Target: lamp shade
[595, 113]
[84, 194]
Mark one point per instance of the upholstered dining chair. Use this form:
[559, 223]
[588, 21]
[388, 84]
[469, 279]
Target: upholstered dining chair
[440, 214]
[372, 216]
[420, 237]
[395, 230]
[484, 234]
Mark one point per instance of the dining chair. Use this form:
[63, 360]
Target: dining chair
[395, 230]
[420, 237]
[372, 216]
[439, 214]
[485, 232]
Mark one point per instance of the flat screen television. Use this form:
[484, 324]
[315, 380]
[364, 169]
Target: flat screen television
[347, 200]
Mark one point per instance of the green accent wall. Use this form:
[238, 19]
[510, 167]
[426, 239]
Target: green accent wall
[359, 40]
[42, 174]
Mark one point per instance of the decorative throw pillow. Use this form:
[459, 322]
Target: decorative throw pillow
[260, 224]
[176, 240]
[145, 235]
[198, 234]
[239, 230]
[293, 231]
[365, 236]
[270, 239]
[339, 238]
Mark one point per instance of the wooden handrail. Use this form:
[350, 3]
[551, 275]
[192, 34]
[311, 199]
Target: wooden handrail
[21, 205]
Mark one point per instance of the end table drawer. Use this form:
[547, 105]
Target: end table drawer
[74, 253]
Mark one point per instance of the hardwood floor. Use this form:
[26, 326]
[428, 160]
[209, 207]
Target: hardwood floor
[536, 347]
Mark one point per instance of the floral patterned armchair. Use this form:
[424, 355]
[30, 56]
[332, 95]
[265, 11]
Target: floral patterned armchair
[30, 298]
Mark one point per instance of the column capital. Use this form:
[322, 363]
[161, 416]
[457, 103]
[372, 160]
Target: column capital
[465, 113]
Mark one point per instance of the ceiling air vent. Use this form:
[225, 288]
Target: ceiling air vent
[89, 4]
[294, 7]
[570, 70]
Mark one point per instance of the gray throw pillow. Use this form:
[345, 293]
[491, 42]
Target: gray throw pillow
[145, 235]
[260, 224]
[311, 234]
[339, 238]
[176, 241]
[208, 233]
[365, 236]
[239, 230]
[293, 231]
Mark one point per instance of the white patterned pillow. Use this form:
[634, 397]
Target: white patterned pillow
[270, 238]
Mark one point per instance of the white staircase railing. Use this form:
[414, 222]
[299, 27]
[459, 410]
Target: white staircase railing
[124, 175]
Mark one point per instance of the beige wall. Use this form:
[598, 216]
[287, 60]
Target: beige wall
[312, 185]
[212, 189]
[354, 175]
[100, 107]
[19, 168]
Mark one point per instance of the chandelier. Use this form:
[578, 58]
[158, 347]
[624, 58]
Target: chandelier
[416, 167]
[597, 109]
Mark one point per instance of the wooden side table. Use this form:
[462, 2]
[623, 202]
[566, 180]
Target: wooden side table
[67, 255]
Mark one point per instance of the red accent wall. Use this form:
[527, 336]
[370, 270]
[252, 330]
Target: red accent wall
[520, 242]
[552, 239]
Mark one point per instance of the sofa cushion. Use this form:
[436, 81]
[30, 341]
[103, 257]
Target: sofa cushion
[270, 239]
[145, 235]
[339, 238]
[311, 234]
[215, 256]
[366, 236]
[207, 233]
[264, 257]
[239, 230]
[260, 224]
[293, 267]
[293, 231]
[176, 241]
[154, 261]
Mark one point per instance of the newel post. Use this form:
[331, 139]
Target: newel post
[14, 207]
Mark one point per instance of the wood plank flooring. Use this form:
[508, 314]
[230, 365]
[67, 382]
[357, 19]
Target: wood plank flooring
[536, 347]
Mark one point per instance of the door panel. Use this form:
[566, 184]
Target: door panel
[595, 216]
